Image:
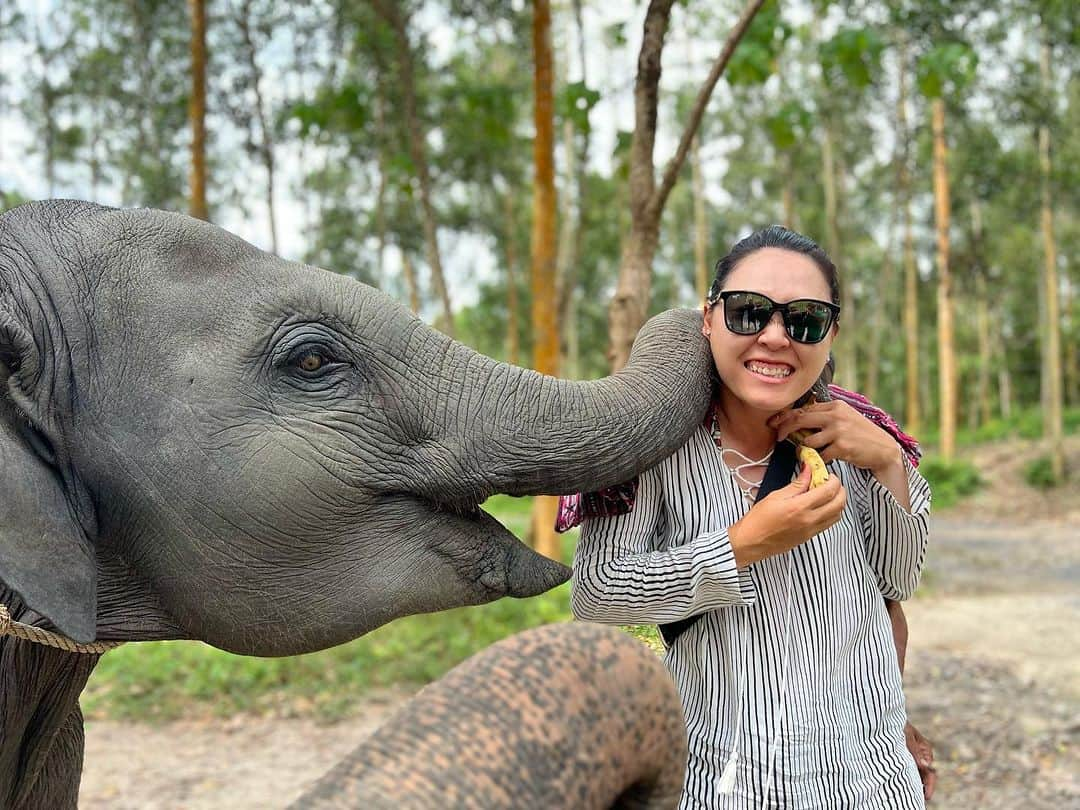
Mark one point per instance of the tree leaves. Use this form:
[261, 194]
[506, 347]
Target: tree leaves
[852, 58]
[946, 69]
[755, 58]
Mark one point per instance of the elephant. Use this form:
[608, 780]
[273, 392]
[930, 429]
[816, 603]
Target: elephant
[200, 440]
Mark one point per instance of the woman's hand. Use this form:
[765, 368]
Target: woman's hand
[923, 754]
[839, 432]
[786, 518]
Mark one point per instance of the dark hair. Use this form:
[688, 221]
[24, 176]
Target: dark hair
[775, 236]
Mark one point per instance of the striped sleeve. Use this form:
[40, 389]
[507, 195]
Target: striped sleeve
[895, 537]
[619, 577]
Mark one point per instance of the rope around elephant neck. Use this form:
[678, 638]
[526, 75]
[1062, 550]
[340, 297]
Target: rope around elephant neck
[27, 632]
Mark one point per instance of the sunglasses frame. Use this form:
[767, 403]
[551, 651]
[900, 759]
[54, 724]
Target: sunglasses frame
[783, 309]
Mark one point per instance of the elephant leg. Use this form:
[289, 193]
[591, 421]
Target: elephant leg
[57, 784]
[570, 715]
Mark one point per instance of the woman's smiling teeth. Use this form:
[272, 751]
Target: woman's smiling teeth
[777, 371]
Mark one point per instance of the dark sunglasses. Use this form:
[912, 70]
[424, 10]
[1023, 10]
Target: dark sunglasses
[806, 320]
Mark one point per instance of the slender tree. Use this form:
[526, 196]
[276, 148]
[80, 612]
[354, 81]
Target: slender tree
[545, 326]
[912, 414]
[263, 140]
[946, 69]
[395, 16]
[647, 197]
[197, 110]
[946, 347]
[1053, 430]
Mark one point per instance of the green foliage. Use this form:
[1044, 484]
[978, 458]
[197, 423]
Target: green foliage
[575, 100]
[755, 58]
[852, 57]
[648, 634]
[789, 124]
[343, 109]
[949, 481]
[1039, 473]
[946, 69]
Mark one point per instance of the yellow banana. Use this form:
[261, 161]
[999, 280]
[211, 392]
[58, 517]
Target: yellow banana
[819, 473]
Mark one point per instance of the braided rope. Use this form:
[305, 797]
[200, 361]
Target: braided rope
[10, 627]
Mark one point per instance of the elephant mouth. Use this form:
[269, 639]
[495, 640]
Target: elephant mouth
[486, 555]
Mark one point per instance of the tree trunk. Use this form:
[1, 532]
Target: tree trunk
[845, 348]
[392, 13]
[701, 236]
[981, 406]
[1005, 389]
[568, 322]
[982, 326]
[884, 294]
[409, 271]
[1053, 431]
[788, 193]
[266, 142]
[380, 194]
[566, 257]
[513, 307]
[647, 198]
[545, 327]
[946, 352]
[912, 415]
[197, 110]
[1072, 356]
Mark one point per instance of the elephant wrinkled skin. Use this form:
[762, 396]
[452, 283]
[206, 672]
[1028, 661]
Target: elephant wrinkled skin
[202, 440]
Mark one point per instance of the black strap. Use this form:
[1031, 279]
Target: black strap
[777, 475]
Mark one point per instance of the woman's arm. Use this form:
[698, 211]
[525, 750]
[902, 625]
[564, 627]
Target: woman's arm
[620, 579]
[892, 499]
[895, 535]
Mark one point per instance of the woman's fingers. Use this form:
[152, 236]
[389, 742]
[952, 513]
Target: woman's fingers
[820, 438]
[799, 419]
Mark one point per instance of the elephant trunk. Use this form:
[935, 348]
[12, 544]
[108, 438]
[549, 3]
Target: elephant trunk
[567, 715]
[515, 431]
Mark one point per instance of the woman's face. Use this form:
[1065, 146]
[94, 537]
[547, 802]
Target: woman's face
[769, 371]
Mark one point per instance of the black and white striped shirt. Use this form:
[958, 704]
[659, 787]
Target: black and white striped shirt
[840, 741]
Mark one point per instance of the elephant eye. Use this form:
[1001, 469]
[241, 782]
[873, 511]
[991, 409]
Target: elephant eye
[311, 361]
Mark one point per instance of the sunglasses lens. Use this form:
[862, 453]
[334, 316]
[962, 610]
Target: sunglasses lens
[746, 313]
[808, 321]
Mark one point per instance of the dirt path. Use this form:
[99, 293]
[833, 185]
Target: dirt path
[245, 762]
[993, 678]
[993, 672]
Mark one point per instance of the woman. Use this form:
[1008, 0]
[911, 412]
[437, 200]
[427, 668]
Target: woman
[789, 680]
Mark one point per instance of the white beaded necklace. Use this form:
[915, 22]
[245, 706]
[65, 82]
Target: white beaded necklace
[748, 488]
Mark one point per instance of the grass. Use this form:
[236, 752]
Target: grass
[949, 481]
[1022, 424]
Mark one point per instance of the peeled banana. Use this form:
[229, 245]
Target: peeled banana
[809, 457]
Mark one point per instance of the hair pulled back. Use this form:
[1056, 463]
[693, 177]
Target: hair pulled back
[775, 236]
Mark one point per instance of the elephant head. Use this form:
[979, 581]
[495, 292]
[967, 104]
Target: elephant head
[199, 439]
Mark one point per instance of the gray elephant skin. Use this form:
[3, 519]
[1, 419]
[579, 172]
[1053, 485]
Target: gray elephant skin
[201, 440]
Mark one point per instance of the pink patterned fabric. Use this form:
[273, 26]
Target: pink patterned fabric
[619, 499]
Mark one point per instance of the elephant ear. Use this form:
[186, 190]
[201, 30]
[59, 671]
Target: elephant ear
[45, 556]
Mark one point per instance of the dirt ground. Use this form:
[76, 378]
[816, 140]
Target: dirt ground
[993, 679]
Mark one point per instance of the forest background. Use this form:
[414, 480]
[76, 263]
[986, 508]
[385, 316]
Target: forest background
[528, 179]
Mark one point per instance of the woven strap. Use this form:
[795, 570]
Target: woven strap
[27, 632]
